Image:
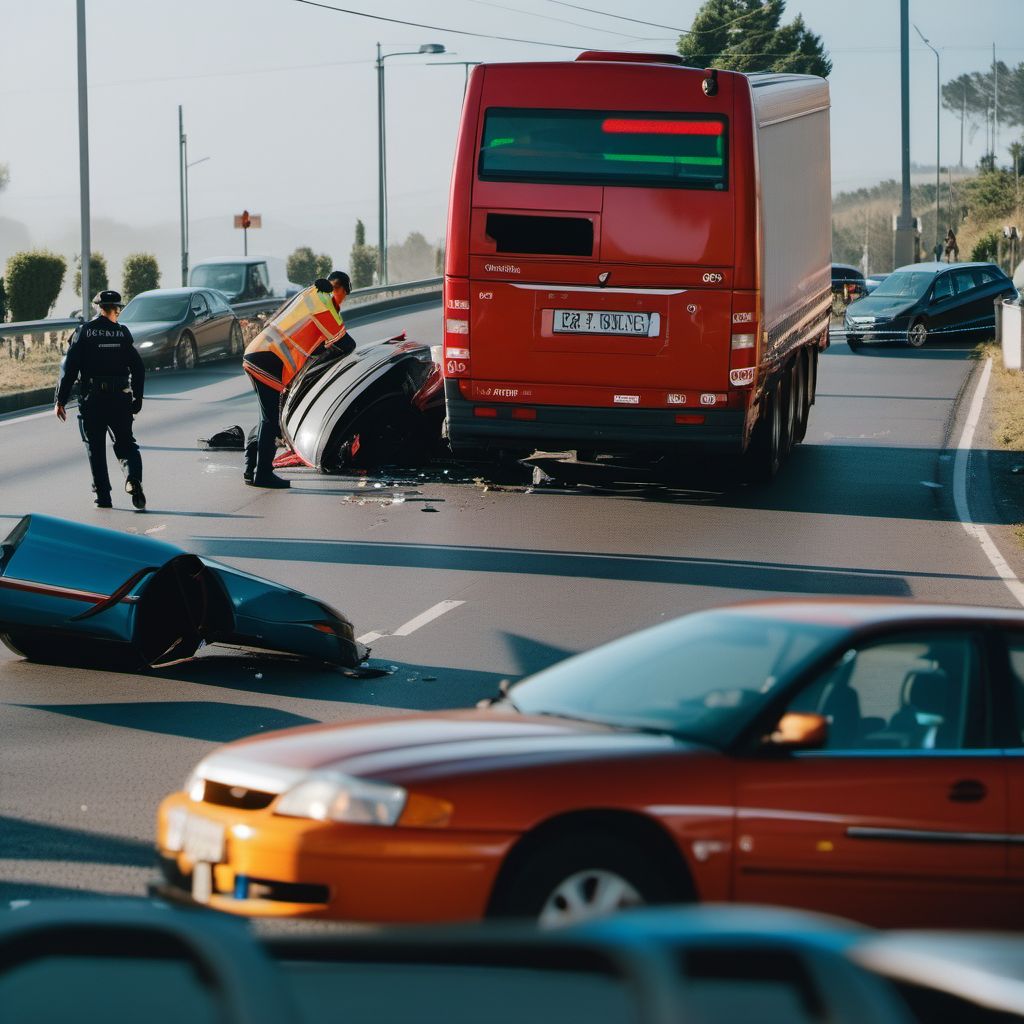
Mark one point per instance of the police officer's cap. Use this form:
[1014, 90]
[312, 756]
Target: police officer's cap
[108, 298]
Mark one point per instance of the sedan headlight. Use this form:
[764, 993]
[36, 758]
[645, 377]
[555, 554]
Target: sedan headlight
[332, 796]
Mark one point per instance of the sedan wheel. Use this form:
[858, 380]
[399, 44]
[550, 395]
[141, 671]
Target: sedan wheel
[236, 345]
[185, 353]
[918, 334]
[586, 895]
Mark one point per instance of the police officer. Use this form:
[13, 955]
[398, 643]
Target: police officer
[102, 354]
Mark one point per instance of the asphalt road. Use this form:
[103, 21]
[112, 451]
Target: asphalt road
[513, 577]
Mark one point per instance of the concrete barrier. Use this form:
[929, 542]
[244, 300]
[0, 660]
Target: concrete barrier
[1010, 333]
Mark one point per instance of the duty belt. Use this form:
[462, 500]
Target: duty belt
[105, 385]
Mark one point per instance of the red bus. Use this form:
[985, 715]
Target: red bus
[638, 259]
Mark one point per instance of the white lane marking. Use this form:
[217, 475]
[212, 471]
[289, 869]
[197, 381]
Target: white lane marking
[429, 615]
[434, 612]
[963, 511]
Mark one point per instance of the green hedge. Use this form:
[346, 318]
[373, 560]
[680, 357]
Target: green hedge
[140, 273]
[33, 280]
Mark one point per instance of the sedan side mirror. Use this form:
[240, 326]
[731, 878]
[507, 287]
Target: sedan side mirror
[799, 730]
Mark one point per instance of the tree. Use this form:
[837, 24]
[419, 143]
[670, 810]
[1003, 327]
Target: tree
[97, 274]
[748, 35]
[34, 280]
[413, 260]
[3, 301]
[973, 94]
[304, 266]
[140, 273]
[5, 176]
[362, 261]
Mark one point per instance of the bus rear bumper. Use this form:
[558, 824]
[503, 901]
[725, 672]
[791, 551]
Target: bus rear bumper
[559, 427]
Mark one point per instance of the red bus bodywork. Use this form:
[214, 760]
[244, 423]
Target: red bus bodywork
[732, 279]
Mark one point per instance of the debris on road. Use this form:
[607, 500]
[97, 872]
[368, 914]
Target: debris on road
[231, 439]
[80, 595]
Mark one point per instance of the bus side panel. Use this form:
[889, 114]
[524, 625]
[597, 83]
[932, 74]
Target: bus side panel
[463, 173]
[796, 210]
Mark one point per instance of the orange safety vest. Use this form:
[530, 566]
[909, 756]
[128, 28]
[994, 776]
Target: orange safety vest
[309, 321]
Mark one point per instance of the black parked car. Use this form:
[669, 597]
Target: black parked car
[923, 301]
[179, 326]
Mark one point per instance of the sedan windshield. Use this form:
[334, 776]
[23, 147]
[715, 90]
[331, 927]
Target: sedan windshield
[155, 308]
[903, 285]
[703, 677]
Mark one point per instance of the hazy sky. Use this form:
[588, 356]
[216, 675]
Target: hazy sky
[281, 97]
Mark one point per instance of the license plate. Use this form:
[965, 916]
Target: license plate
[593, 321]
[200, 839]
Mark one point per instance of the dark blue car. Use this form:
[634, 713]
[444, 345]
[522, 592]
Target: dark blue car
[926, 301]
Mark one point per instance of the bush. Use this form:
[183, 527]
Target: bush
[304, 266]
[34, 280]
[990, 195]
[362, 261]
[986, 249]
[97, 274]
[140, 273]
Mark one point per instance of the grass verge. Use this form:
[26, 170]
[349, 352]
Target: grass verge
[39, 369]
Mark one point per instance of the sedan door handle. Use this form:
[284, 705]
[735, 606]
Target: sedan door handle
[968, 791]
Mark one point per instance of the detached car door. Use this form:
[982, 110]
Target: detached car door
[902, 818]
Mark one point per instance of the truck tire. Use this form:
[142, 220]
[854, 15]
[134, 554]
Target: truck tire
[766, 451]
[801, 374]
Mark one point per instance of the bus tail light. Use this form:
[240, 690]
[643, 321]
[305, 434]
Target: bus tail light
[743, 357]
[456, 327]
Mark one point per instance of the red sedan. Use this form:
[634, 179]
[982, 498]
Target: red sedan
[859, 758]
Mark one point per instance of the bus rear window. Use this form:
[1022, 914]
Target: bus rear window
[599, 147]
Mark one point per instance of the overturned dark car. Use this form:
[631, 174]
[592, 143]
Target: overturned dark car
[382, 404]
[72, 594]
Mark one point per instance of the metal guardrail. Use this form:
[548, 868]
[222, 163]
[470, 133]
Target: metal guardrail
[243, 310]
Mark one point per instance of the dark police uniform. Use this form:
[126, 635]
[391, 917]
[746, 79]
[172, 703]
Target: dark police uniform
[103, 355]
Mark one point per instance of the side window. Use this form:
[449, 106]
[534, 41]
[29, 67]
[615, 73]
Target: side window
[1015, 649]
[199, 306]
[217, 303]
[259, 282]
[943, 288]
[963, 281]
[983, 276]
[920, 691]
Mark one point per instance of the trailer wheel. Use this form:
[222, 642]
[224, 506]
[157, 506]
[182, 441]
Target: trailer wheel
[766, 452]
[801, 376]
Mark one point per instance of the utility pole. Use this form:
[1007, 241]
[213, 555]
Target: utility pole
[83, 160]
[938, 97]
[181, 193]
[381, 166]
[904, 241]
[995, 106]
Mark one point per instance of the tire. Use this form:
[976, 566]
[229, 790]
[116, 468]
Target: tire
[917, 333]
[789, 408]
[185, 355]
[766, 452]
[580, 876]
[236, 343]
[854, 342]
[801, 376]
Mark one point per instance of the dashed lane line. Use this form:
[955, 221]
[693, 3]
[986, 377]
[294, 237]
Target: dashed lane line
[963, 510]
[434, 612]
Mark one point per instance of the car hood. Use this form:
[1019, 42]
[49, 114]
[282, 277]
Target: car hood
[401, 749]
[149, 329]
[878, 306]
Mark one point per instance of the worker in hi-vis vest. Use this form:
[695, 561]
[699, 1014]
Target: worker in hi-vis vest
[309, 322]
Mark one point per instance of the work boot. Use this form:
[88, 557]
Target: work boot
[102, 501]
[273, 482]
[134, 487]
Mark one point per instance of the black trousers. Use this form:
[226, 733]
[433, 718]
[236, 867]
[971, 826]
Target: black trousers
[100, 414]
[259, 454]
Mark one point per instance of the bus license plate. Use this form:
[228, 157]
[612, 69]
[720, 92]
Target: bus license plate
[592, 321]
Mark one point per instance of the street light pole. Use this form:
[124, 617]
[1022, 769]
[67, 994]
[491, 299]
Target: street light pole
[181, 197]
[904, 240]
[83, 158]
[938, 96]
[382, 175]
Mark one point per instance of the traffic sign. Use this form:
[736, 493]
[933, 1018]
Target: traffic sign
[247, 220]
